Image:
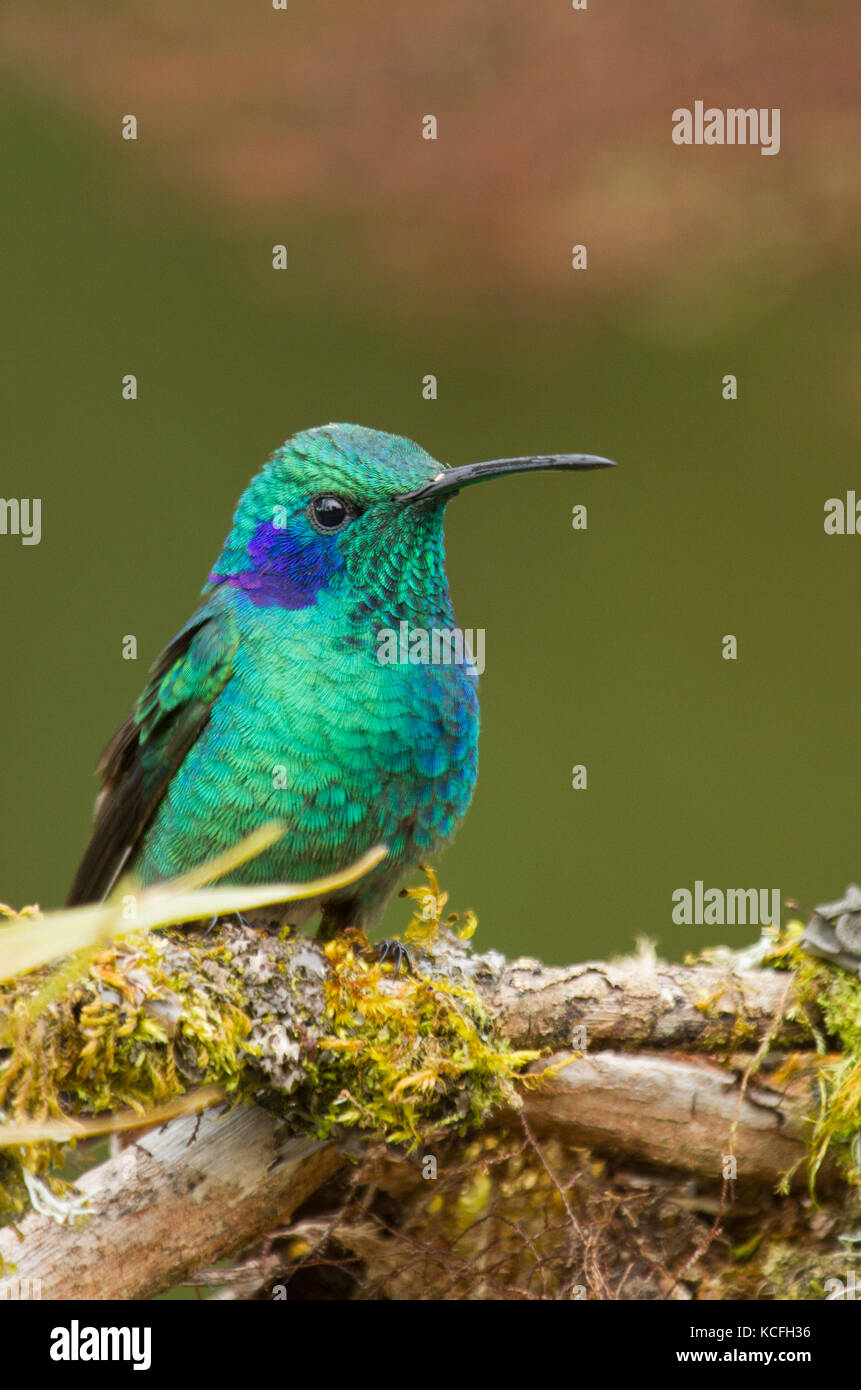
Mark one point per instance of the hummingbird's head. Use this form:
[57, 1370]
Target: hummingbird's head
[356, 512]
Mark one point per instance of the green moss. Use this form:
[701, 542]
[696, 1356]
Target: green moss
[743, 1029]
[408, 1057]
[828, 1003]
[404, 1059]
[14, 1197]
[837, 1127]
[128, 1034]
[139, 1023]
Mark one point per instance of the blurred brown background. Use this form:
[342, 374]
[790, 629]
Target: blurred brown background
[406, 257]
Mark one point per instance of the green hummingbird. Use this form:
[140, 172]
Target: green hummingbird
[280, 698]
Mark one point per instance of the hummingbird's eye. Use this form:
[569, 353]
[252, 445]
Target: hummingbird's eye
[330, 513]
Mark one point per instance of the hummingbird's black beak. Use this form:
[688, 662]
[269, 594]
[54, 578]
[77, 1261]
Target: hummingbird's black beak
[451, 480]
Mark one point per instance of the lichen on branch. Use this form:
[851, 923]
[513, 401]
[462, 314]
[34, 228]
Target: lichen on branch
[330, 1039]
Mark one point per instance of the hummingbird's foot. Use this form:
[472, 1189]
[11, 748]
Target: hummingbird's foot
[241, 919]
[392, 949]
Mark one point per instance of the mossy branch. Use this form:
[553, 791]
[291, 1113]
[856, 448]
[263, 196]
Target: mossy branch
[339, 1050]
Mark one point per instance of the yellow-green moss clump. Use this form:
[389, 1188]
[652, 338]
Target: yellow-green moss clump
[827, 1000]
[124, 1033]
[404, 1055]
[399, 1053]
[129, 1033]
[331, 1044]
[825, 1003]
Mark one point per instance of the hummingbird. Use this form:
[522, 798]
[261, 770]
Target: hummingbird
[273, 702]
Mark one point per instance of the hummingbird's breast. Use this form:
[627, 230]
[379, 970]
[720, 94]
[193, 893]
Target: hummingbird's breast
[351, 744]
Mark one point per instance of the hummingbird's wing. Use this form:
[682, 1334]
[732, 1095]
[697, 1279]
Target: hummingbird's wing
[146, 751]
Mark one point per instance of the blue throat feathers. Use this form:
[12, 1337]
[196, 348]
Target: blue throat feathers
[287, 570]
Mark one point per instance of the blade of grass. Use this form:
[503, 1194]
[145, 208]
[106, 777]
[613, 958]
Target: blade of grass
[29, 943]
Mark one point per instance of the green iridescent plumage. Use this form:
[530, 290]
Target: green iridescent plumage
[273, 702]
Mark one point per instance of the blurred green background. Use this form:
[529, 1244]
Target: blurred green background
[407, 257]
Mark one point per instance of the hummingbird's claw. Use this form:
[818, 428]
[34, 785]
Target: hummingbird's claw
[394, 950]
[240, 917]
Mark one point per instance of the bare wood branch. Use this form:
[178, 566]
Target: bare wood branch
[688, 1115]
[639, 1003]
[194, 1191]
